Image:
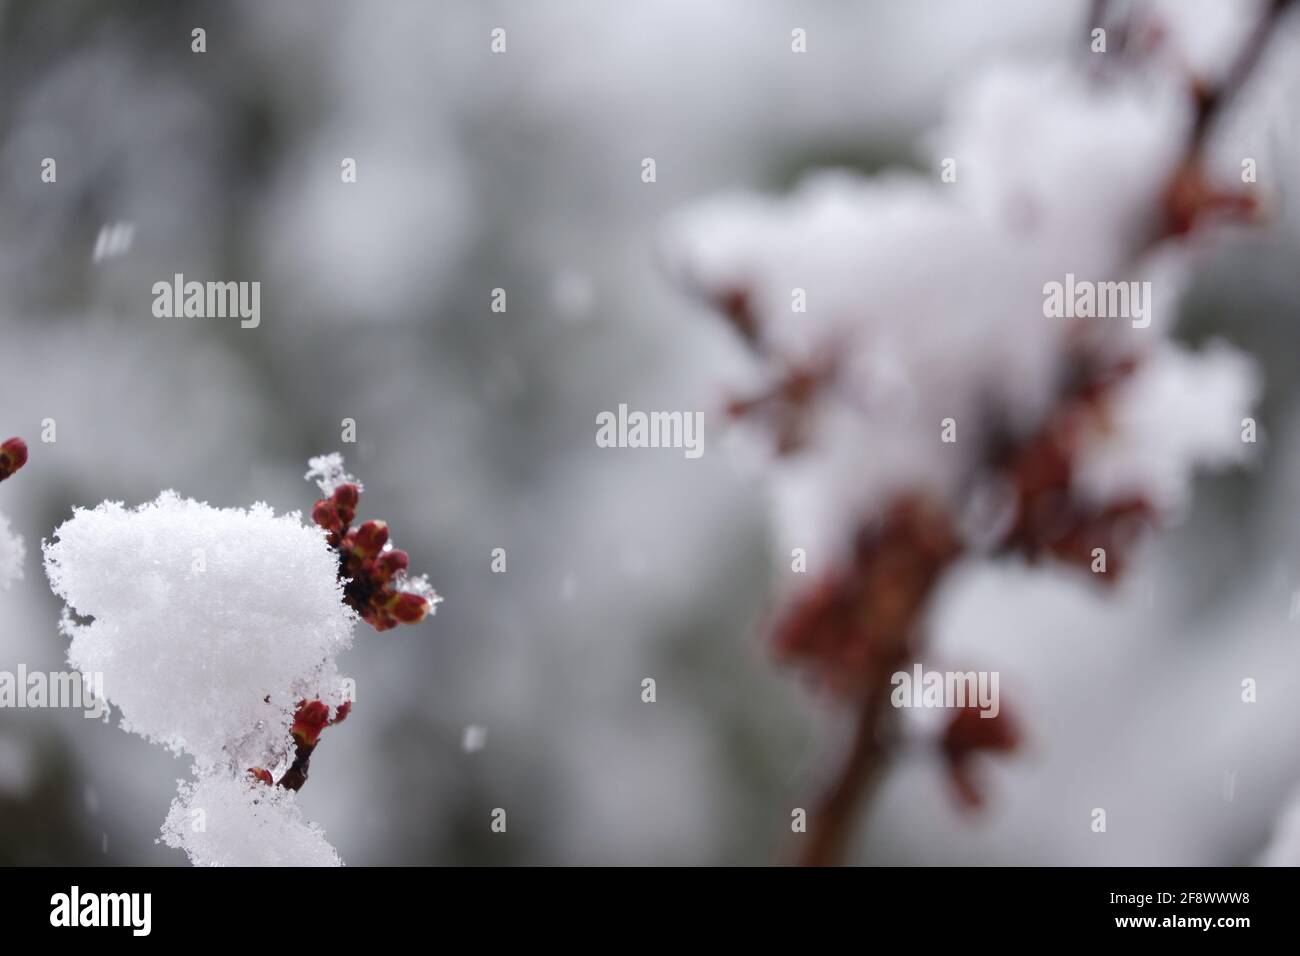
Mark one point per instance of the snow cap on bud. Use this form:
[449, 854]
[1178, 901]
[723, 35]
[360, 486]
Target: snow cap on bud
[13, 455]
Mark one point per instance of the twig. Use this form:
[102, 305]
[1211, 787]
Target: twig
[833, 818]
[296, 775]
[1212, 102]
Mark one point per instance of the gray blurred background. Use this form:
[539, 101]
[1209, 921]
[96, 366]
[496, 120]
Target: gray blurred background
[475, 430]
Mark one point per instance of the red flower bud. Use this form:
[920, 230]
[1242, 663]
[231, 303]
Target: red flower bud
[262, 776]
[389, 563]
[370, 539]
[325, 514]
[312, 718]
[379, 619]
[341, 714]
[408, 608]
[13, 455]
[345, 500]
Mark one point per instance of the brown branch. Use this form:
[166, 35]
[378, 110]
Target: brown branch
[834, 817]
[296, 775]
[819, 629]
[309, 722]
[1212, 102]
[1096, 18]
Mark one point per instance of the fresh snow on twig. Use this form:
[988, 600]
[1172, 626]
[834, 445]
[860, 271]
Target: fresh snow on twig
[208, 624]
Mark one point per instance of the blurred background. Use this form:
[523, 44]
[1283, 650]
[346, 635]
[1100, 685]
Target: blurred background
[475, 430]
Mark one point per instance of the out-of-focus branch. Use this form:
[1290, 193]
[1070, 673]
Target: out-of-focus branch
[1190, 195]
[1096, 18]
[854, 631]
[1212, 102]
[835, 813]
[860, 624]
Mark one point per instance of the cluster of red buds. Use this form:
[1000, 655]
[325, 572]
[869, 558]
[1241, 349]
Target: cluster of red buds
[859, 625]
[371, 569]
[13, 455]
[862, 621]
[1049, 522]
[372, 572]
[856, 626]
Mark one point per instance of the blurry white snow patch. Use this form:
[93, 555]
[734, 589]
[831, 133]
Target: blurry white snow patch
[208, 624]
[905, 286]
[224, 821]
[12, 554]
[1052, 157]
[927, 298]
[1180, 411]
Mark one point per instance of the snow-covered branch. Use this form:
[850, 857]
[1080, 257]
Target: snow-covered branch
[217, 633]
[977, 364]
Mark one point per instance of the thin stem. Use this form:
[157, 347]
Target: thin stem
[296, 775]
[1213, 102]
[1096, 18]
[835, 814]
